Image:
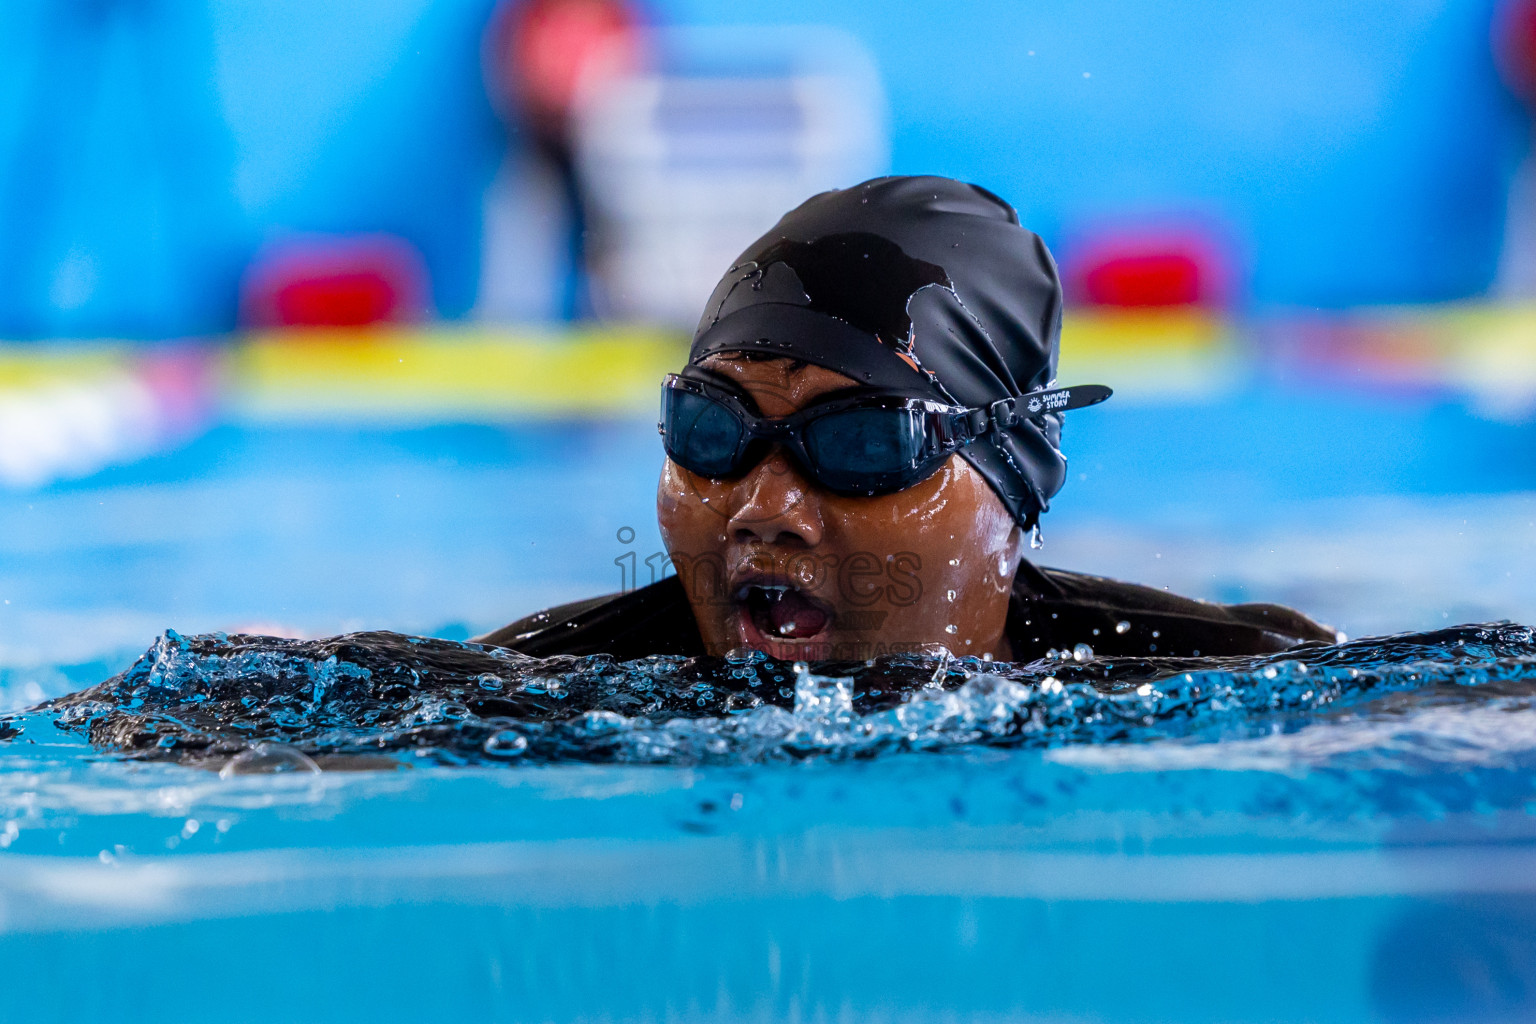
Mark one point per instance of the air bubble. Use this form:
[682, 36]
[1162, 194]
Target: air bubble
[506, 744]
[269, 758]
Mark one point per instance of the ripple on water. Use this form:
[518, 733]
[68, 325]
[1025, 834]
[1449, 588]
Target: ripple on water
[254, 704]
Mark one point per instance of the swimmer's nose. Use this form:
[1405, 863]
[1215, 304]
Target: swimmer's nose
[773, 504]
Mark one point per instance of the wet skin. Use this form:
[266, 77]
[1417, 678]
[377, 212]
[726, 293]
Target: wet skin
[772, 562]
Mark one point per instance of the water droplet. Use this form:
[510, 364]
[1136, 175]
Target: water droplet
[951, 628]
[1122, 627]
[949, 595]
[954, 561]
[822, 697]
[1036, 538]
[1082, 652]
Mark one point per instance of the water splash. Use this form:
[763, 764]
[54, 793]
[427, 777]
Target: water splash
[251, 704]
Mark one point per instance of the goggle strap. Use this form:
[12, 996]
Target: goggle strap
[1006, 412]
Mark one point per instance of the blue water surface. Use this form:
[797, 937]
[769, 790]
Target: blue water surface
[1363, 859]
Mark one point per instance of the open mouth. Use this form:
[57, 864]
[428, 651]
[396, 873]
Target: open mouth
[779, 611]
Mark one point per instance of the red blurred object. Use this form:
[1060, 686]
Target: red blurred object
[1514, 46]
[1156, 279]
[538, 52]
[335, 282]
[1149, 270]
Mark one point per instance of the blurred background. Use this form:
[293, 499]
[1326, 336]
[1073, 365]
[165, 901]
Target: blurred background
[320, 317]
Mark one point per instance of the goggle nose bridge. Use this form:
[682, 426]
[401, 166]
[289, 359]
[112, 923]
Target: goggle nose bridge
[777, 428]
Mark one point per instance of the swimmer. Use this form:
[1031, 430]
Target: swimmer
[859, 451]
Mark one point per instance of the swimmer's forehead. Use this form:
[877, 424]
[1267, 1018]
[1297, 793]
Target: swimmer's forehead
[779, 386]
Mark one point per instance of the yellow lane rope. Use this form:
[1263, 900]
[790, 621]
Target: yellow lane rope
[447, 371]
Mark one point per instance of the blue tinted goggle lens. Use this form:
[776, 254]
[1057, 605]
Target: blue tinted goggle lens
[862, 449]
[701, 434]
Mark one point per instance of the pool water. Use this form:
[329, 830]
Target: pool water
[1182, 842]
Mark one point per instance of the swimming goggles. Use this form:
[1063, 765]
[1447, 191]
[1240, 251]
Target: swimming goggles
[855, 442]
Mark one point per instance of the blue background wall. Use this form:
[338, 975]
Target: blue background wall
[1355, 152]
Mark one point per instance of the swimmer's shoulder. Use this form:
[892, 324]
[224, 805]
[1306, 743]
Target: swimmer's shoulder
[635, 624]
[1057, 608]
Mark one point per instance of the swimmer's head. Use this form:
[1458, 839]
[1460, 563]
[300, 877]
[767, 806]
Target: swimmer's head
[922, 294]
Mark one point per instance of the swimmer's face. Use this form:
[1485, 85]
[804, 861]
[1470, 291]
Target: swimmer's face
[773, 562]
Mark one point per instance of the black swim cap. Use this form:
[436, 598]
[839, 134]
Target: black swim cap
[919, 285]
